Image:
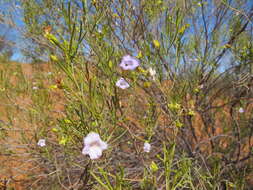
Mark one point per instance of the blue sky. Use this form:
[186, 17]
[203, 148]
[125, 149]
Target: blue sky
[15, 36]
[12, 34]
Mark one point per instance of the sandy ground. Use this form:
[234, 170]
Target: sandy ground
[15, 163]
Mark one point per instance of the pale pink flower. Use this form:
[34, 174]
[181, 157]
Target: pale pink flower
[93, 146]
[122, 83]
[146, 147]
[41, 142]
[241, 110]
[129, 63]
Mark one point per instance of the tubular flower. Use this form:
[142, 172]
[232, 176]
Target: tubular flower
[129, 63]
[93, 146]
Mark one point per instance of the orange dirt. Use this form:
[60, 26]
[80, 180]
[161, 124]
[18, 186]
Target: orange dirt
[15, 168]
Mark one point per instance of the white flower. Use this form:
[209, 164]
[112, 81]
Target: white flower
[129, 63]
[93, 146]
[41, 142]
[146, 147]
[35, 88]
[152, 72]
[122, 83]
[241, 110]
[49, 73]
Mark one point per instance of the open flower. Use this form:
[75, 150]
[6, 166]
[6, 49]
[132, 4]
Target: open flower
[129, 63]
[122, 83]
[146, 147]
[41, 142]
[93, 146]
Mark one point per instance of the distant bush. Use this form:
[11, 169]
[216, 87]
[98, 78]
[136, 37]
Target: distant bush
[6, 50]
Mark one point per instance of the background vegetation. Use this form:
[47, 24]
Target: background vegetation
[196, 111]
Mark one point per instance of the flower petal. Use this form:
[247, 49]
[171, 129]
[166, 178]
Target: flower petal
[122, 83]
[129, 63]
[91, 137]
[241, 110]
[95, 152]
[103, 145]
[93, 145]
[41, 142]
[85, 150]
[146, 147]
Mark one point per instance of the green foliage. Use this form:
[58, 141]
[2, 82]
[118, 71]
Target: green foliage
[188, 111]
[5, 49]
